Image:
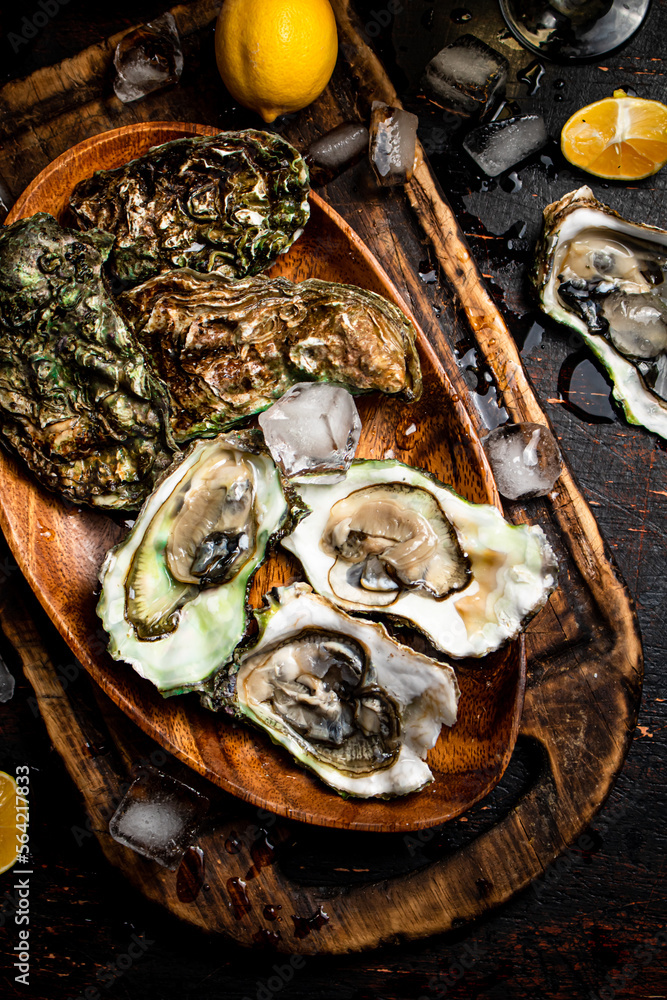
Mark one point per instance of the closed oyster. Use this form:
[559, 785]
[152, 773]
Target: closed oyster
[228, 348]
[346, 700]
[605, 277]
[78, 401]
[174, 591]
[392, 539]
[230, 202]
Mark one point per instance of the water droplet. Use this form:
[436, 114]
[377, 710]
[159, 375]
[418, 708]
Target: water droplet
[304, 925]
[263, 854]
[532, 76]
[241, 905]
[190, 877]
[585, 390]
[271, 911]
[512, 183]
[532, 339]
[233, 844]
[265, 938]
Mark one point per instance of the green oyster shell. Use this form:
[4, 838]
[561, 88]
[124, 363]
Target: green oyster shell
[78, 401]
[228, 348]
[577, 210]
[208, 622]
[513, 567]
[230, 202]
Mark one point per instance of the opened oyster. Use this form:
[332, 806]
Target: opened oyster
[78, 400]
[605, 277]
[174, 591]
[228, 348]
[393, 539]
[344, 698]
[230, 202]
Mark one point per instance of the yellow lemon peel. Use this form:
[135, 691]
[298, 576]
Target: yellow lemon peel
[276, 56]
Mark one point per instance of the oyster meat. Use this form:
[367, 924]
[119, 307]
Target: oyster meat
[393, 539]
[606, 278]
[229, 202]
[78, 401]
[346, 700]
[173, 594]
[228, 348]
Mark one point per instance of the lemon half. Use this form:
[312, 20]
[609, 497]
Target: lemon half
[619, 138]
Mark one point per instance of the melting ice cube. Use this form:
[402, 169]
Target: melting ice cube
[467, 76]
[314, 428]
[502, 144]
[525, 459]
[392, 144]
[7, 682]
[148, 58]
[159, 817]
[333, 152]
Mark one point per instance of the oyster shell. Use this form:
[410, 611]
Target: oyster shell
[346, 700]
[605, 277]
[228, 348]
[173, 594]
[78, 400]
[492, 576]
[230, 202]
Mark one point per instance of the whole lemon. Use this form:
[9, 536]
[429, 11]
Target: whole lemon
[276, 56]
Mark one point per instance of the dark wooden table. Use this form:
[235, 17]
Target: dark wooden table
[590, 925]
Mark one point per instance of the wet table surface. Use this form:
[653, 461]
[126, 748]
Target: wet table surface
[590, 926]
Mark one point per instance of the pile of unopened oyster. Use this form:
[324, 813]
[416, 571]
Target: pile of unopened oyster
[131, 350]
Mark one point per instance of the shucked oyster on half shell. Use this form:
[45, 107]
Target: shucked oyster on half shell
[78, 399]
[606, 278]
[228, 348]
[174, 591]
[229, 202]
[392, 539]
[346, 700]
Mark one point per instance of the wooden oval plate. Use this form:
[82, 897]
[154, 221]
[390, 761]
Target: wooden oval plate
[60, 549]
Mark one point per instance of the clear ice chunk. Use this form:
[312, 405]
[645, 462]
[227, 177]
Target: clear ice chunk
[525, 459]
[147, 59]
[159, 817]
[466, 77]
[500, 145]
[393, 139]
[312, 432]
[7, 683]
[340, 148]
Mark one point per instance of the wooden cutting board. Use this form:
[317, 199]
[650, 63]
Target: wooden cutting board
[585, 664]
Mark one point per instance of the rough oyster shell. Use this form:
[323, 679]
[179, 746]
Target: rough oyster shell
[230, 202]
[78, 400]
[580, 214]
[174, 632]
[228, 348]
[345, 699]
[513, 569]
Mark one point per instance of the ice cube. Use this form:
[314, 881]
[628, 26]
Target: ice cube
[313, 429]
[500, 145]
[466, 77]
[159, 817]
[525, 459]
[148, 58]
[393, 140]
[329, 155]
[7, 682]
